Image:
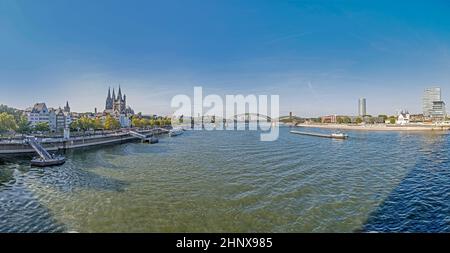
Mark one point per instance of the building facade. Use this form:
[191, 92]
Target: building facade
[57, 119]
[329, 119]
[362, 109]
[403, 118]
[39, 113]
[430, 95]
[117, 104]
[438, 112]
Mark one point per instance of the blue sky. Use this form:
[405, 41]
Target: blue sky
[319, 56]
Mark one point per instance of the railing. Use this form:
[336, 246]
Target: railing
[138, 135]
[38, 148]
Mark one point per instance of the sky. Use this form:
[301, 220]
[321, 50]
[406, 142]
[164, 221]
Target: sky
[318, 56]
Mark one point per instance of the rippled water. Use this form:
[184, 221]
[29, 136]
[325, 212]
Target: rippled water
[229, 181]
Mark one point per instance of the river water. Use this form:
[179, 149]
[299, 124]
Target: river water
[229, 181]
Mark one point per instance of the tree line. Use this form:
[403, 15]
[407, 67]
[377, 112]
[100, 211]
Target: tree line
[13, 120]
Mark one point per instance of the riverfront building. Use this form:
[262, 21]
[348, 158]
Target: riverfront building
[429, 96]
[329, 119]
[362, 110]
[403, 118]
[38, 114]
[57, 119]
[437, 111]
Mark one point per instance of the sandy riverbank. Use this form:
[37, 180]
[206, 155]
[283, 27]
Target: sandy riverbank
[378, 127]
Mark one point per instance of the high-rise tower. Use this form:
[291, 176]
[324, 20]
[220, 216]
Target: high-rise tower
[430, 95]
[362, 110]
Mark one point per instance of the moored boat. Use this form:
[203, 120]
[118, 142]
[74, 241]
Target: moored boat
[175, 132]
[54, 161]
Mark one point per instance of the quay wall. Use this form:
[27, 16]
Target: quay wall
[18, 147]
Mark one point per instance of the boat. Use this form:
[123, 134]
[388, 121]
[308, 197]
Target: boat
[151, 140]
[333, 135]
[339, 135]
[175, 132]
[53, 161]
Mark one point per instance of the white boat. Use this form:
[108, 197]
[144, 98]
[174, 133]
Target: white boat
[339, 135]
[175, 132]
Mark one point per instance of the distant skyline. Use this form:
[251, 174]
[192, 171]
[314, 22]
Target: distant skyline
[319, 56]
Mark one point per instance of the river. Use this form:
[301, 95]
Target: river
[229, 181]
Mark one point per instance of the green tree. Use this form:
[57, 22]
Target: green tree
[136, 122]
[85, 123]
[167, 121]
[151, 122]
[359, 120]
[7, 122]
[23, 125]
[74, 126]
[347, 120]
[392, 120]
[111, 123]
[12, 111]
[42, 127]
[97, 123]
[384, 117]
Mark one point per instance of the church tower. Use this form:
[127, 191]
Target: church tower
[116, 104]
[109, 101]
[67, 107]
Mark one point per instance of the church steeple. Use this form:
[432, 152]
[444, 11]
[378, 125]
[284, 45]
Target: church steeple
[119, 95]
[109, 101]
[116, 104]
[67, 107]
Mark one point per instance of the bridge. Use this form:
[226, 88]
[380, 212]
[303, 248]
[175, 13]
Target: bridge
[249, 116]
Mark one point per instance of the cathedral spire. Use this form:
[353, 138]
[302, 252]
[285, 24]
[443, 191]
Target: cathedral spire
[119, 95]
[114, 95]
[109, 93]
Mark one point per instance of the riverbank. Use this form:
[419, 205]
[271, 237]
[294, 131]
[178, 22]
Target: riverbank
[20, 146]
[378, 127]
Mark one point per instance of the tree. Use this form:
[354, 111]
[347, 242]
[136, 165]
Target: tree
[84, 123]
[98, 124]
[151, 122]
[167, 121]
[42, 127]
[392, 120]
[11, 111]
[384, 117]
[136, 122]
[23, 125]
[74, 126]
[359, 120]
[347, 120]
[7, 122]
[111, 123]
